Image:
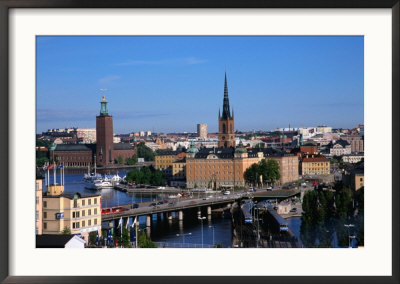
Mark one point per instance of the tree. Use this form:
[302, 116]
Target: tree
[344, 202]
[144, 242]
[250, 174]
[270, 170]
[120, 160]
[125, 241]
[92, 238]
[66, 231]
[131, 161]
[267, 169]
[145, 152]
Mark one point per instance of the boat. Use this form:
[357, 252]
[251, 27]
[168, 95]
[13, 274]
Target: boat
[100, 184]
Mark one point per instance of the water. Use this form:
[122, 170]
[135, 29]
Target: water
[332, 234]
[109, 197]
[216, 231]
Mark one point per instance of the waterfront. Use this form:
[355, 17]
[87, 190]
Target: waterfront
[215, 231]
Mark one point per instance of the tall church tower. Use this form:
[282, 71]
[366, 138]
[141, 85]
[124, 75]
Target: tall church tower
[104, 135]
[226, 136]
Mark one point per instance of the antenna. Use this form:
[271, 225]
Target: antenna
[103, 91]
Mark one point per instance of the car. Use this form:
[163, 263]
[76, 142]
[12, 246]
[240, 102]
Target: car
[172, 203]
[135, 205]
[152, 204]
[227, 192]
[160, 202]
[269, 188]
[294, 209]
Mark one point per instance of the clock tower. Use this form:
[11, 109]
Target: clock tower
[226, 122]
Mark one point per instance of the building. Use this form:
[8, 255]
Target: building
[356, 142]
[38, 203]
[78, 212]
[309, 148]
[340, 148]
[315, 165]
[224, 167]
[354, 178]
[202, 130]
[105, 151]
[86, 135]
[352, 158]
[323, 129]
[226, 122]
[59, 241]
[165, 162]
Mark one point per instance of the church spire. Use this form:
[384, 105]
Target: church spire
[226, 113]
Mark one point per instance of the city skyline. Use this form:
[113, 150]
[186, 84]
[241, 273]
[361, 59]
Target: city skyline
[170, 84]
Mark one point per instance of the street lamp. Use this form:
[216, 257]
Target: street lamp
[183, 236]
[213, 227]
[202, 237]
[258, 225]
[348, 226]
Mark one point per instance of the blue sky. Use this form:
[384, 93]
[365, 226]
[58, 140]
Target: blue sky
[169, 84]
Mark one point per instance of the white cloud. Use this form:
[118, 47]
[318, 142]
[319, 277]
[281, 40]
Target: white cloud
[108, 79]
[176, 61]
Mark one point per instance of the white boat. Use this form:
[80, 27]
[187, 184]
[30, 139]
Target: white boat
[100, 184]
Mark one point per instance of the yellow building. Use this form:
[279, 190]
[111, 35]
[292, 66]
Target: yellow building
[79, 212]
[164, 161]
[38, 205]
[315, 165]
[179, 169]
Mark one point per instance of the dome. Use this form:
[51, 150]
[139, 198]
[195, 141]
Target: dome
[192, 149]
[240, 148]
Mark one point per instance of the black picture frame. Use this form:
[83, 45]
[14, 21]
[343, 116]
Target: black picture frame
[5, 158]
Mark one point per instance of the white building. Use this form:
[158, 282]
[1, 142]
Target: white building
[352, 158]
[340, 148]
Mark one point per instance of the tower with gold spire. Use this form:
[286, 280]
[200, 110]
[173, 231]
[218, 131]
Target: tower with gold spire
[226, 122]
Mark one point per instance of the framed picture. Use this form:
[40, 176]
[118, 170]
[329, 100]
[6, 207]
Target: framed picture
[134, 163]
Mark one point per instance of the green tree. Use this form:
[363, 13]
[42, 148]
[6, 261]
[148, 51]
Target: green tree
[131, 161]
[250, 174]
[144, 242]
[125, 241]
[66, 231]
[120, 160]
[344, 202]
[145, 152]
[310, 205]
[270, 170]
[41, 161]
[92, 238]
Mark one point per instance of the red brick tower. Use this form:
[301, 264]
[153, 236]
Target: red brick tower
[104, 135]
[226, 136]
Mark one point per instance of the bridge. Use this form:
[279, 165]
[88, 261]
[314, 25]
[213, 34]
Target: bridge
[179, 205]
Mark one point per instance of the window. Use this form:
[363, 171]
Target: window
[75, 214]
[44, 225]
[83, 202]
[44, 215]
[90, 223]
[83, 224]
[95, 211]
[95, 201]
[44, 203]
[95, 221]
[37, 214]
[83, 213]
[89, 212]
[89, 202]
[37, 199]
[75, 203]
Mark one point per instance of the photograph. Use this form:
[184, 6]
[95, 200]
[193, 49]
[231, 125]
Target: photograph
[199, 142]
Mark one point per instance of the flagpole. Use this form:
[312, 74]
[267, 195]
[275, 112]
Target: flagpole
[48, 176]
[54, 171]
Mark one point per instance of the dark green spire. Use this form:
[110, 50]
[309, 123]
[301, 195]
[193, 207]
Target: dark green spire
[226, 113]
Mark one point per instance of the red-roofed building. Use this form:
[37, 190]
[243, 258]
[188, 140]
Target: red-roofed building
[314, 165]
